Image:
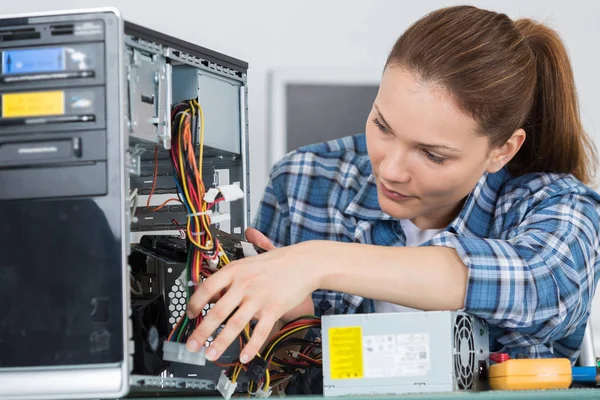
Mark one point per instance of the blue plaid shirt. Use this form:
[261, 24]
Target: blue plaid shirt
[531, 243]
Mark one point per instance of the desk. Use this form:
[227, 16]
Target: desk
[512, 395]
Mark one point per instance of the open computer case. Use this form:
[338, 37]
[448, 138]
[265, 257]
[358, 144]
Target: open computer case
[92, 245]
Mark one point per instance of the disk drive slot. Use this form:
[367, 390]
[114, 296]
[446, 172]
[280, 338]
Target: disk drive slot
[68, 181]
[28, 152]
[69, 64]
[53, 148]
[79, 108]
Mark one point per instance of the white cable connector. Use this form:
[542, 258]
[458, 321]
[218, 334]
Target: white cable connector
[177, 352]
[225, 386]
[248, 249]
[231, 192]
[261, 394]
[211, 195]
[212, 263]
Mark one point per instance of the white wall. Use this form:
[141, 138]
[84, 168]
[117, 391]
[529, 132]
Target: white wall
[273, 34]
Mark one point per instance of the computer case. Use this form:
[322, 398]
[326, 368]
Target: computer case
[85, 100]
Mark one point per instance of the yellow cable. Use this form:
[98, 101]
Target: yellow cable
[285, 335]
[201, 135]
[267, 380]
[185, 187]
[193, 210]
[236, 373]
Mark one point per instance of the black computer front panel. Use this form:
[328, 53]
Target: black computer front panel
[61, 191]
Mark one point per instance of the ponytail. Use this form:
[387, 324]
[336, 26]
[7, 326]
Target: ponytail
[506, 75]
[556, 141]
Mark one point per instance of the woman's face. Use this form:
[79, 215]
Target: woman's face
[426, 154]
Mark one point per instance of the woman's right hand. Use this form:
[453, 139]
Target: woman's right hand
[306, 307]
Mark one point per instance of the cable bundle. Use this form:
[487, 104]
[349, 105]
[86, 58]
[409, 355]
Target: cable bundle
[187, 122]
[205, 254]
[267, 370]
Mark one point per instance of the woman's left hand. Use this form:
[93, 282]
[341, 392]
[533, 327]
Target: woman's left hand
[262, 287]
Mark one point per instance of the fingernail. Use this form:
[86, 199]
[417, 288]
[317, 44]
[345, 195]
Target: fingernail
[189, 314]
[211, 355]
[192, 345]
[244, 358]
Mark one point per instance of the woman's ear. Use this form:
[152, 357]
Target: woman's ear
[500, 156]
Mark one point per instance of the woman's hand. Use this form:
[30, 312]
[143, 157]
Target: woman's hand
[258, 287]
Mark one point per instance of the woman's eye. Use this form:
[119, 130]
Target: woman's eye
[434, 158]
[379, 125]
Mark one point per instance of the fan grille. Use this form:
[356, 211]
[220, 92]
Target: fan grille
[464, 352]
[177, 305]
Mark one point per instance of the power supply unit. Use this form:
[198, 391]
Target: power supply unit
[399, 353]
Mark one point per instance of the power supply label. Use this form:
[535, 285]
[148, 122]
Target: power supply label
[403, 355]
[345, 352]
[33, 104]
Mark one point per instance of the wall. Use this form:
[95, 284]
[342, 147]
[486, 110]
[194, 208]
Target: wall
[272, 34]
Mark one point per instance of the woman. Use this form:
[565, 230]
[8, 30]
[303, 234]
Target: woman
[466, 192]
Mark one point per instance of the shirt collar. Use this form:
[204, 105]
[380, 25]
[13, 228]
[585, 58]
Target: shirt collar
[365, 205]
[474, 219]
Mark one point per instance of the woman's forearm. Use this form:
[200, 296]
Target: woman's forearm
[426, 278]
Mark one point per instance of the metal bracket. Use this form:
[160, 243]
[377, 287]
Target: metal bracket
[135, 162]
[149, 97]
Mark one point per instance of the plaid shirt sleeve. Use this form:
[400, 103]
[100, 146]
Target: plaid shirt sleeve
[538, 279]
[273, 217]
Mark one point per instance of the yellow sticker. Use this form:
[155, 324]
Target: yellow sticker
[345, 352]
[33, 104]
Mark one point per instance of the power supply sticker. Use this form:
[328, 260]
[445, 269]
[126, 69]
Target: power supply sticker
[345, 352]
[388, 356]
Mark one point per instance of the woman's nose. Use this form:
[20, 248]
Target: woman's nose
[394, 167]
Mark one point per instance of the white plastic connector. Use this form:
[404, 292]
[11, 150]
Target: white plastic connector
[261, 394]
[294, 354]
[248, 249]
[211, 195]
[231, 192]
[225, 386]
[177, 352]
[212, 263]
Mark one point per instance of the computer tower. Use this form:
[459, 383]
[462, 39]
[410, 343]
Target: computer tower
[85, 128]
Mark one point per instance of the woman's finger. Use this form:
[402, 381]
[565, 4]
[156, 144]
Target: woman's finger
[234, 327]
[213, 320]
[259, 335]
[216, 297]
[258, 239]
[209, 289]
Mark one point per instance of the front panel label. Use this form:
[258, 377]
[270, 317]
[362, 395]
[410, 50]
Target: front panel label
[33, 104]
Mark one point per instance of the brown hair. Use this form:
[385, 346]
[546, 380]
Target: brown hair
[506, 75]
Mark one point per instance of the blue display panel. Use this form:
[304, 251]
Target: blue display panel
[31, 61]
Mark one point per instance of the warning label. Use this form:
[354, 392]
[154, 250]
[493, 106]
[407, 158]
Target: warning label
[345, 352]
[396, 355]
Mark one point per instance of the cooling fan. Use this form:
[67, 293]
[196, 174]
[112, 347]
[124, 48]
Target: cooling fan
[150, 328]
[464, 352]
